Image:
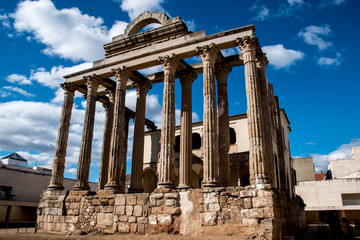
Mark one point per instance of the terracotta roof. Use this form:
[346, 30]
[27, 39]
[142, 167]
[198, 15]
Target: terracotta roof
[16, 157]
[320, 176]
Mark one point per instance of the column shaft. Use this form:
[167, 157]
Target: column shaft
[257, 149]
[124, 155]
[210, 146]
[105, 152]
[118, 132]
[138, 146]
[167, 140]
[185, 168]
[82, 178]
[57, 176]
[222, 72]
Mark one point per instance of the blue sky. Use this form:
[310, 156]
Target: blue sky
[312, 47]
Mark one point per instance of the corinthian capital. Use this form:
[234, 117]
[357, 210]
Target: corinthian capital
[121, 73]
[261, 61]
[111, 93]
[169, 63]
[68, 87]
[208, 53]
[187, 77]
[248, 43]
[222, 71]
[92, 83]
[142, 88]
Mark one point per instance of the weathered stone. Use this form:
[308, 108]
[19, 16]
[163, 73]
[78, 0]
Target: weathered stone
[259, 202]
[142, 200]
[164, 219]
[132, 219]
[120, 210]
[142, 220]
[123, 218]
[153, 220]
[138, 211]
[95, 202]
[253, 213]
[170, 202]
[72, 219]
[209, 219]
[120, 200]
[124, 227]
[248, 193]
[104, 219]
[133, 227]
[129, 210]
[171, 195]
[250, 222]
[130, 200]
[157, 209]
[141, 228]
[172, 210]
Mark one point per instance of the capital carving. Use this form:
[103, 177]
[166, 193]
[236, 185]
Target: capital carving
[222, 71]
[248, 43]
[169, 63]
[187, 77]
[261, 61]
[208, 53]
[121, 72]
[111, 95]
[142, 88]
[92, 83]
[68, 87]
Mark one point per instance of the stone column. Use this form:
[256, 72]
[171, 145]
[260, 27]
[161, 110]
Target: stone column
[257, 149]
[118, 130]
[105, 152]
[124, 154]
[82, 178]
[167, 140]
[210, 149]
[269, 168]
[138, 140]
[57, 176]
[185, 168]
[222, 71]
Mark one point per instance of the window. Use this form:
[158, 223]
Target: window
[232, 136]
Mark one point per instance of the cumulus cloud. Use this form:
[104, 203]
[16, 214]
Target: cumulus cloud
[135, 8]
[18, 90]
[326, 61]
[295, 2]
[19, 79]
[326, 3]
[66, 32]
[321, 161]
[4, 20]
[313, 35]
[262, 12]
[280, 57]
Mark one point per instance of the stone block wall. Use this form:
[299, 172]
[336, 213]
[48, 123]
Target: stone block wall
[246, 211]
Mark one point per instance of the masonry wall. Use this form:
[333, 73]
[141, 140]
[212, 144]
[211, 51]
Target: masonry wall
[234, 210]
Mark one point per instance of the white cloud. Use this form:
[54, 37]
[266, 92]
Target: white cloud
[325, 61]
[325, 3]
[71, 170]
[230, 51]
[280, 57]
[19, 79]
[135, 8]
[295, 2]
[18, 90]
[313, 35]
[66, 32]
[310, 143]
[321, 161]
[190, 24]
[262, 12]
[4, 19]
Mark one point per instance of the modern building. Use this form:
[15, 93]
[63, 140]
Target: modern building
[336, 191]
[21, 187]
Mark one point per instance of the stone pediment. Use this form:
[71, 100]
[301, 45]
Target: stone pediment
[132, 39]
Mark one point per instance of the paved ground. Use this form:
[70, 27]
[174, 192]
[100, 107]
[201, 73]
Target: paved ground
[312, 232]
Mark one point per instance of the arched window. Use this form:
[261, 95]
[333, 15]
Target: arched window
[196, 141]
[232, 136]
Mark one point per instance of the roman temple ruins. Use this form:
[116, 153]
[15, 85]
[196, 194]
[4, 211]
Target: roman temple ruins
[260, 202]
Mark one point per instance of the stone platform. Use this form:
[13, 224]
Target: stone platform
[243, 211]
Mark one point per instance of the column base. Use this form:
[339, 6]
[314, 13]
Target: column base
[166, 185]
[210, 184]
[136, 189]
[81, 188]
[55, 187]
[184, 186]
[112, 187]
